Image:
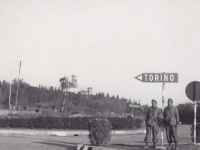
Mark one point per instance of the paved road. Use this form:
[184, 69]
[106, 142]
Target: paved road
[183, 136]
[9, 142]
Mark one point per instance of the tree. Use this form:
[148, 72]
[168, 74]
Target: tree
[129, 101]
[66, 84]
[5, 87]
[107, 96]
[186, 112]
[117, 97]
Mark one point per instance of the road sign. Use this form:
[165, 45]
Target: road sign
[134, 106]
[192, 90]
[158, 77]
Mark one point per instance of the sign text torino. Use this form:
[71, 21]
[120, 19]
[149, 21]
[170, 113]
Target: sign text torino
[158, 77]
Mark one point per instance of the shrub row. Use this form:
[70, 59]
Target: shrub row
[125, 123]
[49, 122]
[197, 133]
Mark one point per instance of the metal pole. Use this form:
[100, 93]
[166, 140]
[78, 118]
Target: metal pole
[88, 93]
[10, 88]
[132, 112]
[9, 95]
[64, 101]
[18, 85]
[195, 121]
[163, 105]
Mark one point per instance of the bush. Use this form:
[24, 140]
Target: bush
[99, 131]
[197, 133]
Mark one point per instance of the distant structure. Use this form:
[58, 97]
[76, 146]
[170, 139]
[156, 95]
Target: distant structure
[134, 106]
[87, 93]
[83, 92]
[90, 91]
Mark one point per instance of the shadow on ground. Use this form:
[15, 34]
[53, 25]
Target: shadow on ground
[68, 146]
[130, 147]
[124, 146]
[14, 136]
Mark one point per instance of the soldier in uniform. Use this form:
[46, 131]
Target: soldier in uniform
[153, 119]
[171, 120]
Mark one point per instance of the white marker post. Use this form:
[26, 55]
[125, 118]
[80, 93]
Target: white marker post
[163, 106]
[195, 121]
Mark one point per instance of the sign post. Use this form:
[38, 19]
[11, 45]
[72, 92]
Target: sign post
[159, 78]
[193, 93]
[163, 106]
[195, 122]
[133, 106]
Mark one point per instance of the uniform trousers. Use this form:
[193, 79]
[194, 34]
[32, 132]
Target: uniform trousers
[154, 130]
[171, 133]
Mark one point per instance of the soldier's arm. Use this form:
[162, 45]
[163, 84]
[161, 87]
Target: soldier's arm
[177, 115]
[164, 114]
[160, 113]
[146, 117]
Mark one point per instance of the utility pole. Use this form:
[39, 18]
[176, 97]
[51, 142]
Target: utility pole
[10, 87]
[63, 105]
[18, 85]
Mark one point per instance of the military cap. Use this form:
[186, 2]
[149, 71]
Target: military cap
[170, 99]
[153, 100]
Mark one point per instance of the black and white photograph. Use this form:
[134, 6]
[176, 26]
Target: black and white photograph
[99, 74]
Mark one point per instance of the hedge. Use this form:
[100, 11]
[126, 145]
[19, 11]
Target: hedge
[50, 122]
[197, 133]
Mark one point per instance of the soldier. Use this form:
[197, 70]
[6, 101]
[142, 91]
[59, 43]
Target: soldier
[171, 120]
[153, 118]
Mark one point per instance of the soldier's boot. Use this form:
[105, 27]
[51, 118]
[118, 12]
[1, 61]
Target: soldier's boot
[146, 146]
[154, 145]
[169, 146]
[176, 146]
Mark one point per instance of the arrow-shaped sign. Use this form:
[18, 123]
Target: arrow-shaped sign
[158, 77]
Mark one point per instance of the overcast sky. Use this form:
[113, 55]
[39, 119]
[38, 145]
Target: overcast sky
[105, 43]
